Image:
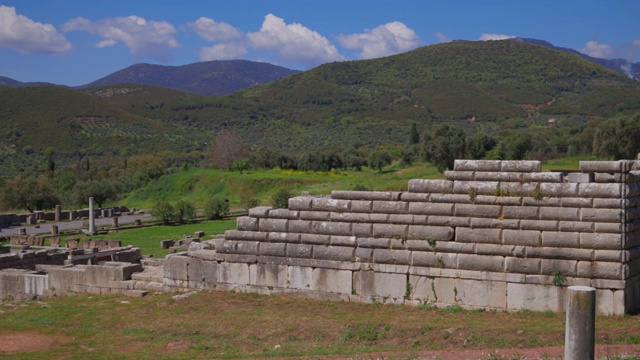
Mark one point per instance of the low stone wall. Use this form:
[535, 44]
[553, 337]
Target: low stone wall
[493, 234]
[47, 280]
[29, 259]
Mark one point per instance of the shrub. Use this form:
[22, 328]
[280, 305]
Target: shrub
[216, 208]
[184, 211]
[163, 211]
[280, 198]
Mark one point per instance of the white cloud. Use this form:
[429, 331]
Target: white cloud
[294, 43]
[489, 37]
[597, 50]
[442, 37]
[143, 38]
[211, 30]
[26, 36]
[388, 39]
[222, 52]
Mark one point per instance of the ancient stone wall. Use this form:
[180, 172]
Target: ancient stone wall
[493, 234]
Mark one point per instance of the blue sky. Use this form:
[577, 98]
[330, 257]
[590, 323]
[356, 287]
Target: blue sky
[74, 42]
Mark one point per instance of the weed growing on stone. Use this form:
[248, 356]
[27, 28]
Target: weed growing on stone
[558, 278]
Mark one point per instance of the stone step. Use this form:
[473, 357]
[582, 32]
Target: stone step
[149, 274]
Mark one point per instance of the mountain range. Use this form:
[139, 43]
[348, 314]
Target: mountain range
[228, 76]
[496, 87]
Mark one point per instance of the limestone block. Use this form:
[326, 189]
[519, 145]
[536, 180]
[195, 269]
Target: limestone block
[401, 218]
[438, 233]
[560, 253]
[368, 283]
[543, 225]
[528, 200]
[287, 237]
[330, 204]
[199, 254]
[315, 239]
[299, 250]
[351, 217]
[455, 247]
[300, 226]
[363, 195]
[473, 210]
[236, 274]
[330, 280]
[300, 203]
[247, 223]
[576, 202]
[535, 297]
[431, 209]
[521, 212]
[477, 187]
[491, 236]
[401, 257]
[227, 247]
[556, 266]
[498, 200]
[422, 288]
[315, 215]
[390, 207]
[414, 197]
[430, 186]
[269, 224]
[595, 190]
[601, 270]
[602, 215]
[268, 275]
[608, 203]
[491, 249]
[371, 242]
[343, 240]
[632, 189]
[436, 260]
[481, 293]
[175, 268]
[554, 213]
[335, 253]
[453, 221]
[548, 176]
[283, 214]
[248, 247]
[476, 165]
[419, 245]
[609, 178]
[34, 284]
[603, 241]
[331, 228]
[299, 277]
[460, 175]
[364, 255]
[444, 290]
[611, 255]
[361, 206]
[580, 177]
[480, 262]
[259, 211]
[559, 189]
[576, 226]
[499, 223]
[362, 230]
[604, 166]
[498, 176]
[522, 265]
[560, 239]
[245, 235]
[390, 231]
[273, 249]
[451, 198]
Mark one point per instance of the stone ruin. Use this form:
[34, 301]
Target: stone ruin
[492, 235]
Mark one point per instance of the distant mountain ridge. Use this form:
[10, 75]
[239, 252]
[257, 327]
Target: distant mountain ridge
[202, 78]
[622, 66]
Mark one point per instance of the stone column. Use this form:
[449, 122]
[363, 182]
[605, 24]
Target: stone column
[580, 330]
[58, 213]
[54, 229]
[114, 222]
[92, 217]
[23, 231]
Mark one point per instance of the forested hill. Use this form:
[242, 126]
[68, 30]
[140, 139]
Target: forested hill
[203, 78]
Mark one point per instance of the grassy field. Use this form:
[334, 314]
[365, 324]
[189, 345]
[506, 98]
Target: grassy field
[228, 325]
[148, 238]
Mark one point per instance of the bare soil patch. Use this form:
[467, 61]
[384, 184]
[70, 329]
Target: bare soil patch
[25, 342]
